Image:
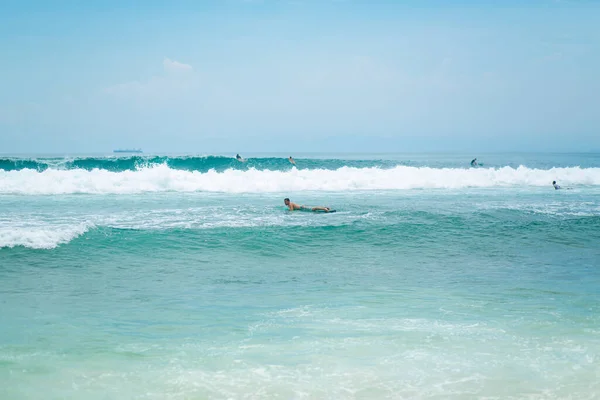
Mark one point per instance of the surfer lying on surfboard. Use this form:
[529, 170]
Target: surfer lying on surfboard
[293, 207]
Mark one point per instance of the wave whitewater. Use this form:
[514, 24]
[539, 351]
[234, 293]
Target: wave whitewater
[162, 178]
[41, 237]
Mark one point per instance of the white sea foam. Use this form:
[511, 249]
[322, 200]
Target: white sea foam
[40, 237]
[161, 178]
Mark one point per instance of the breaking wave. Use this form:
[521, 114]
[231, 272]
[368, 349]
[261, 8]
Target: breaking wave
[41, 237]
[162, 178]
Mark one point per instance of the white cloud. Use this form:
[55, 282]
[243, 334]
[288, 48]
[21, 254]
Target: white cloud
[175, 66]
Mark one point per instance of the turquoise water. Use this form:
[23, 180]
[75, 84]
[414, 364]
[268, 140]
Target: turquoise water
[166, 278]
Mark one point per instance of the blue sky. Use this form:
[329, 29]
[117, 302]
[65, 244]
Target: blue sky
[273, 75]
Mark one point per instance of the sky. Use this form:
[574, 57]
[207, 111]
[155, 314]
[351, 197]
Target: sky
[299, 76]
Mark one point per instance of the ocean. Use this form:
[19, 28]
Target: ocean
[184, 277]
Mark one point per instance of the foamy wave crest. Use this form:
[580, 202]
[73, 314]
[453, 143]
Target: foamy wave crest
[161, 178]
[40, 237]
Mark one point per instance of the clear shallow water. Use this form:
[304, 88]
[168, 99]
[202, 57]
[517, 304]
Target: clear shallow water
[471, 290]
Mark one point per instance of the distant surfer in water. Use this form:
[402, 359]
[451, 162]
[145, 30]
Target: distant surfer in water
[474, 163]
[296, 207]
[290, 159]
[556, 187]
[239, 158]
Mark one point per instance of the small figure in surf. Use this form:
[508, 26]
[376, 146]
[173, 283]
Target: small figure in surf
[290, 159]
[556, 187]
[239, 158]
[474, 163]
[296, 207]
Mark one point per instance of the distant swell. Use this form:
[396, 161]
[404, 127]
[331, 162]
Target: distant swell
[117, 164]
[184, 163]
[162, 178]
